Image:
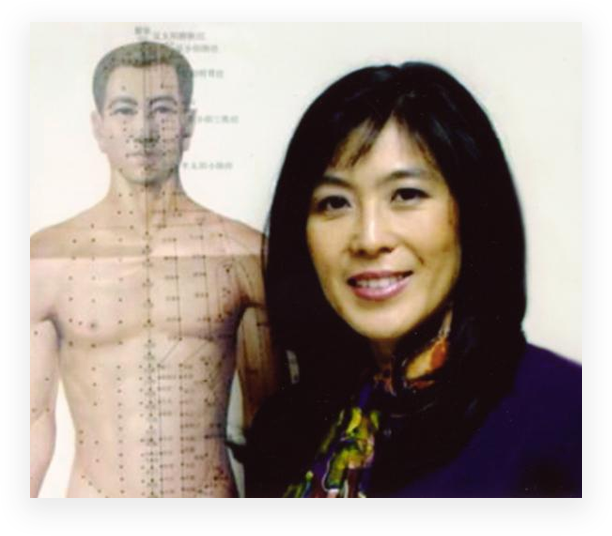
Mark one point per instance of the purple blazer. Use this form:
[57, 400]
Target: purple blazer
[529, 445]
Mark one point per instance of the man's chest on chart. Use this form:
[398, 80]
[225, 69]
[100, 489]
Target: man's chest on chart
[103, 299]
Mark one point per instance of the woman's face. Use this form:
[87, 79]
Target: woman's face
[383, 237]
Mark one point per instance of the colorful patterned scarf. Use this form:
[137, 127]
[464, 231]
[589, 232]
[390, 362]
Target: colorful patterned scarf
[343, 464]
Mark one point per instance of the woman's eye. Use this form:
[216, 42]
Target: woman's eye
[331, 203]
[408, 195]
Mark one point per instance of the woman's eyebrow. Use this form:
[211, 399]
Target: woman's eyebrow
[407, 173]
[333, 180]
[398, 174]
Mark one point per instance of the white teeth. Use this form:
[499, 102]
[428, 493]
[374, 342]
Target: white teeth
[378, 283]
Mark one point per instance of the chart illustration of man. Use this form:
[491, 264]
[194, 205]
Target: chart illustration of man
[145, 305]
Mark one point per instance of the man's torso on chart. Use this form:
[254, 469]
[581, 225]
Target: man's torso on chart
[146, 326]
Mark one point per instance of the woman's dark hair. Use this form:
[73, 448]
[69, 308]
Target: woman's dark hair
[486, 339]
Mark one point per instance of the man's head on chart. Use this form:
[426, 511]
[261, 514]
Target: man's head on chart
[143, 121]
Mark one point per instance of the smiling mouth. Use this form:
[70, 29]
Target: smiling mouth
[378, 286]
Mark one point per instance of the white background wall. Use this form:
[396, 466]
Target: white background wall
[527, 76]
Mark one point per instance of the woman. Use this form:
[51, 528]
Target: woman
[395, 275]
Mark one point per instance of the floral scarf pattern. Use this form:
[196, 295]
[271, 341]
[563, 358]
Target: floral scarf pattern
[343, 464]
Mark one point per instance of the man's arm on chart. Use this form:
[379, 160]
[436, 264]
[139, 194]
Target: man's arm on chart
[44, 372]
[257, 363]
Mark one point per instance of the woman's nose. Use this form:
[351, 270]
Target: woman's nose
[372, 233]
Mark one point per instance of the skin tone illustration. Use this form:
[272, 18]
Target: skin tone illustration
[145, 305]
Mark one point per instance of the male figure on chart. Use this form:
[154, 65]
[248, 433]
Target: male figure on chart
[145, 305]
